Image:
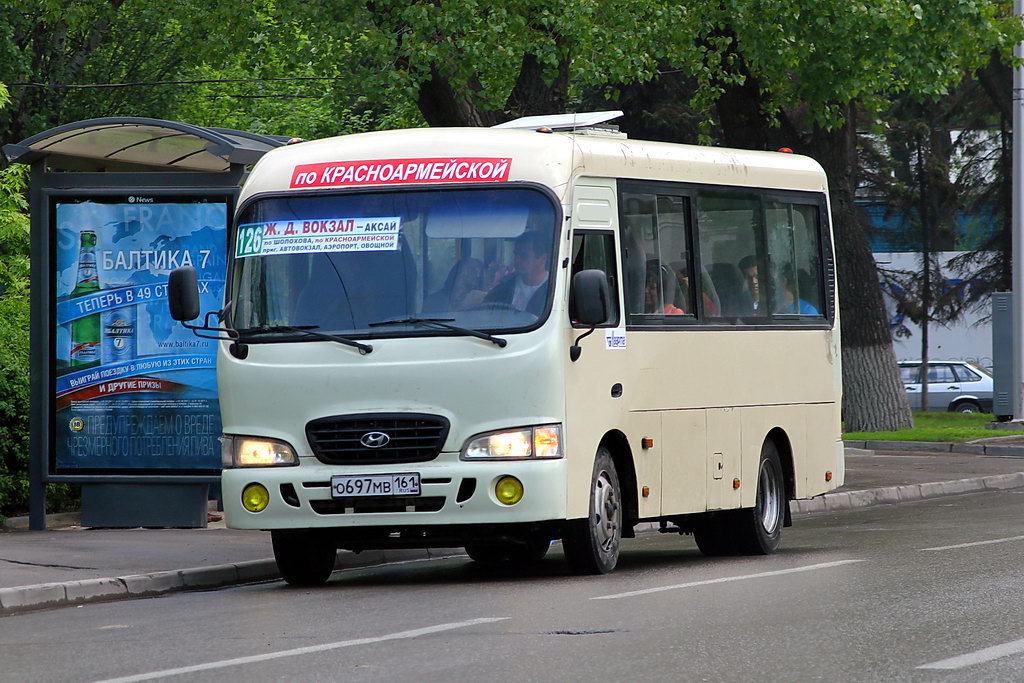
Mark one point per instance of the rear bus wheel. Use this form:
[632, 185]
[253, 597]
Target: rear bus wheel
[759, 529]
[303, 559]
[591, 545]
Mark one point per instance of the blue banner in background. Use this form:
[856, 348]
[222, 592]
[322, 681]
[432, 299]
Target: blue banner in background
[134, 390]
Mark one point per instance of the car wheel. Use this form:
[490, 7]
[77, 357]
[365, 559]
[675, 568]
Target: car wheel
[967, 407]
[591, 545]
[303, 559]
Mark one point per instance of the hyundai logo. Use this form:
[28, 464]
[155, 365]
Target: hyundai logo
[375, 439]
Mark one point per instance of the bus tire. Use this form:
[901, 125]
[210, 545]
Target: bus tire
[714, 535]
[591, 545]
[302, 558]
[758, 530]
[532, 549]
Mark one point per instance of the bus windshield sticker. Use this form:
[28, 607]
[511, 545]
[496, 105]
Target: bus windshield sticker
[318, 235]
[396, 171]
[615, 338]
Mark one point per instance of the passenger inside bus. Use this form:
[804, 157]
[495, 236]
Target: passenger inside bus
[660, 290]
[790, 302]
[524, 289]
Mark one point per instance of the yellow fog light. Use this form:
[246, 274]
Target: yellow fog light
[255, 498]
[509, 490]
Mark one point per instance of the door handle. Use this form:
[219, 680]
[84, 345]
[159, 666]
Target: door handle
[953, 387]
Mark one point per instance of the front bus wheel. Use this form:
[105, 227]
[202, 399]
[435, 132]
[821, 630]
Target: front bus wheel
[591, 545]
[759, 529]
[303, 558]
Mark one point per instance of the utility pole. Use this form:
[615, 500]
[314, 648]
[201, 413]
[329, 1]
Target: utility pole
[1017, 212]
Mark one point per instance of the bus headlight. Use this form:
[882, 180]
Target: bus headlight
[242, 451]
[530, 442]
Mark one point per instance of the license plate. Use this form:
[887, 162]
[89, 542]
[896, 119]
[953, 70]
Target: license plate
[352, 486]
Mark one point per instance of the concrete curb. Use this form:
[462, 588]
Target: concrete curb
[46, 595]
[891, 495]
[937, 447]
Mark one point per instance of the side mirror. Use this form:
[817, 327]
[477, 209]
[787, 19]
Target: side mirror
[590, 297]
[183, 294]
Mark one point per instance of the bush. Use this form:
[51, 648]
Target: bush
[14, 327]
[14, 351]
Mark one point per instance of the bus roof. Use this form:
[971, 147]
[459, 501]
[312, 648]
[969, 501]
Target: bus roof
[434, 156]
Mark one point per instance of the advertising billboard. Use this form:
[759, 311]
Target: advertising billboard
[133, 392]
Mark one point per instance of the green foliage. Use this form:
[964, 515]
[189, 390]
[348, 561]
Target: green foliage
[14, 352]
[14, 343]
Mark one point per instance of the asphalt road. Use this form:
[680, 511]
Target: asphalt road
[924, 591]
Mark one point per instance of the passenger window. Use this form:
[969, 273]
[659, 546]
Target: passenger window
[795, 248]
[656, 258]
[596, 251]
[940, 374]
[910, 374]
[967, 375]
[732, 257]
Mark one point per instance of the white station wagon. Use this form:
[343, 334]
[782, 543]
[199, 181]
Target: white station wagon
[953, 385]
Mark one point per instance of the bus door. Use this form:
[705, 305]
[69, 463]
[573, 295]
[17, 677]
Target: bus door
[596, 381]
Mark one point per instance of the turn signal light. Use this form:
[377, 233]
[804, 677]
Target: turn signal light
[735, 483]
[255, 498]
[508, 490]
[828, 476]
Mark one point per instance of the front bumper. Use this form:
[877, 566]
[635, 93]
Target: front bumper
[453, 492]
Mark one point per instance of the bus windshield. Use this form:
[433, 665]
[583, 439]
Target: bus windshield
[381, 263]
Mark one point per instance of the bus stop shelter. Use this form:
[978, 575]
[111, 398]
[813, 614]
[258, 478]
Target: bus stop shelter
[122, 401]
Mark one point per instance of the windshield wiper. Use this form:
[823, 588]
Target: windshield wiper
[442, 323]
[309, 331]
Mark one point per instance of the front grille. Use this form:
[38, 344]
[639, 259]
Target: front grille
[410, 438]
[369, 505]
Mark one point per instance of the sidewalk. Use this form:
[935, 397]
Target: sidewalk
[73, 565]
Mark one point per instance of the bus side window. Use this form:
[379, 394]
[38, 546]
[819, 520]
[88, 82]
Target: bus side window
[596, 251]
[794, 243]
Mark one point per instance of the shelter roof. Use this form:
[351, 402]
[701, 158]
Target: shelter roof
[126, 143]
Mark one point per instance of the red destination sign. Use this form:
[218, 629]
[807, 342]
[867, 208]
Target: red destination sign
[395, 171]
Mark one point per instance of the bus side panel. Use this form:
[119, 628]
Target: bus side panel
[684, 467]
[811, 432]
[724, 458]
[824, 452]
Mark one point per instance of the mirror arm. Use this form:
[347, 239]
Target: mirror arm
[575, 350]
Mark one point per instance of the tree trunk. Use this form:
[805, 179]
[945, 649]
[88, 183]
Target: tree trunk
[873, 395]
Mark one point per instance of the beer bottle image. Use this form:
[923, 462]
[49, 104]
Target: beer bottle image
[85, 331]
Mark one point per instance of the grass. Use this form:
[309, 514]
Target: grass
[955, 427]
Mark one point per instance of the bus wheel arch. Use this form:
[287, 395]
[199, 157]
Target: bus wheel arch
[617, 444]
[785, 452]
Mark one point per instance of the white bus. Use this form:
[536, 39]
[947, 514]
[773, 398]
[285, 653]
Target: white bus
[495, 338]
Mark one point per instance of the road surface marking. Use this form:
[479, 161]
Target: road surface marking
[238, 661]
[978, 657]
[968, 545]
[726, 579]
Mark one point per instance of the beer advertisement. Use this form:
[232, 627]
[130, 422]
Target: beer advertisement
[134, 390]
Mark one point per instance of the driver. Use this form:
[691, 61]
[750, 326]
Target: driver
[525, 288]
